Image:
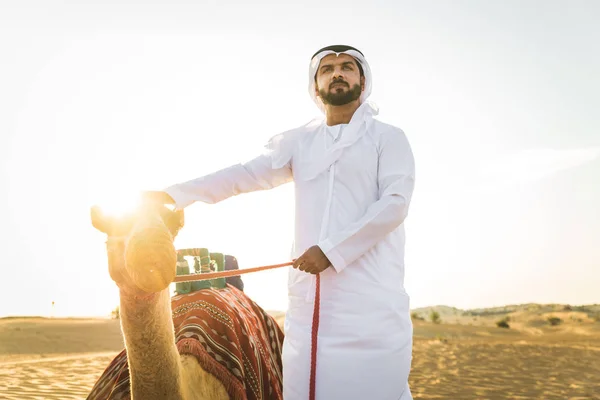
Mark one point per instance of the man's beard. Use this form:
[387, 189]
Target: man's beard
[340, 99]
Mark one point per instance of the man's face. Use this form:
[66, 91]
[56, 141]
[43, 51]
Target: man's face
[338, 80]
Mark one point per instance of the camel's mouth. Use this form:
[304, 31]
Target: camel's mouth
[123, 224]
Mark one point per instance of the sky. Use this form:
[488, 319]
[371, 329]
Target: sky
[499, 100]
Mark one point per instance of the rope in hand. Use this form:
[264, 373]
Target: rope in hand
[315, 321]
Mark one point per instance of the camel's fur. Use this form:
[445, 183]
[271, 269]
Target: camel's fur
[157, 370]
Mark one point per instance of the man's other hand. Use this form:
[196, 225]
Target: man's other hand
[313, 261]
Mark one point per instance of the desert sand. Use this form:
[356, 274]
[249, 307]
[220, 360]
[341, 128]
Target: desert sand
[463, 356]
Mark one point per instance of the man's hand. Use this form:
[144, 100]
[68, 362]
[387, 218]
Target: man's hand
[312, 261]
[157, 196]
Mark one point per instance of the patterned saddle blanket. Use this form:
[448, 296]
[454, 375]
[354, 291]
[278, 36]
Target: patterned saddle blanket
[230, 335]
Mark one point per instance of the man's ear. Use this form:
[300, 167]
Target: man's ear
[317, 90]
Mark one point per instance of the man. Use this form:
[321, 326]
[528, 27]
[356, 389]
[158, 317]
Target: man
[354, 178]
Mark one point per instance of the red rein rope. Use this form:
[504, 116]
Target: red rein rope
[226, 274]
[314, 338]
[315, 321]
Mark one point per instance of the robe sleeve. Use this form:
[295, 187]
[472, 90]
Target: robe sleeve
[254, 175]
[396, 178]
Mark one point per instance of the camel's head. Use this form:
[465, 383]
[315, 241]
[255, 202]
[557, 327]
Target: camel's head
[141, 254]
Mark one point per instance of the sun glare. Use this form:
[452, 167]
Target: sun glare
[118, 204]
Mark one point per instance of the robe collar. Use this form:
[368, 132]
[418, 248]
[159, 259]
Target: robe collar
[314, 159]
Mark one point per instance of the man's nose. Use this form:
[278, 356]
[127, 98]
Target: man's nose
[338, 73]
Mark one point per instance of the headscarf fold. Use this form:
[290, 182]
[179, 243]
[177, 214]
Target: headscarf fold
[316, 159]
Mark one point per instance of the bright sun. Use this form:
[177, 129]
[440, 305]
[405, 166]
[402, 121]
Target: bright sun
[119, 203]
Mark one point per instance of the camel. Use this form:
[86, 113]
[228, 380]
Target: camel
[169, 351]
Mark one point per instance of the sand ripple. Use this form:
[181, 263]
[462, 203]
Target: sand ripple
[68, 377]
[469, 370]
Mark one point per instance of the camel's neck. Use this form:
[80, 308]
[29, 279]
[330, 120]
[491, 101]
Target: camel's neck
[154, 363]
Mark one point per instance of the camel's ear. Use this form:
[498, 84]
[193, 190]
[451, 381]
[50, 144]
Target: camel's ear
[100, 221]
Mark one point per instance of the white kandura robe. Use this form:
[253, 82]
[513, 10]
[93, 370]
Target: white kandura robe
[353, 186]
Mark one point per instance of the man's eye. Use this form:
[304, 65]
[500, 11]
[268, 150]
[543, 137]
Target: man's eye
[347, 67]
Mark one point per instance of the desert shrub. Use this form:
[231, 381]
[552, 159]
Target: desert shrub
[597, 317]
[435, 317]
[503, 323]
[116, 313]
[415, 316]
[567, 308]
[441, 338]
[554, 321]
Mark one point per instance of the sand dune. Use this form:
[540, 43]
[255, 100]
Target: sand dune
[54, 358]
[464, 357]
[475, 363]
